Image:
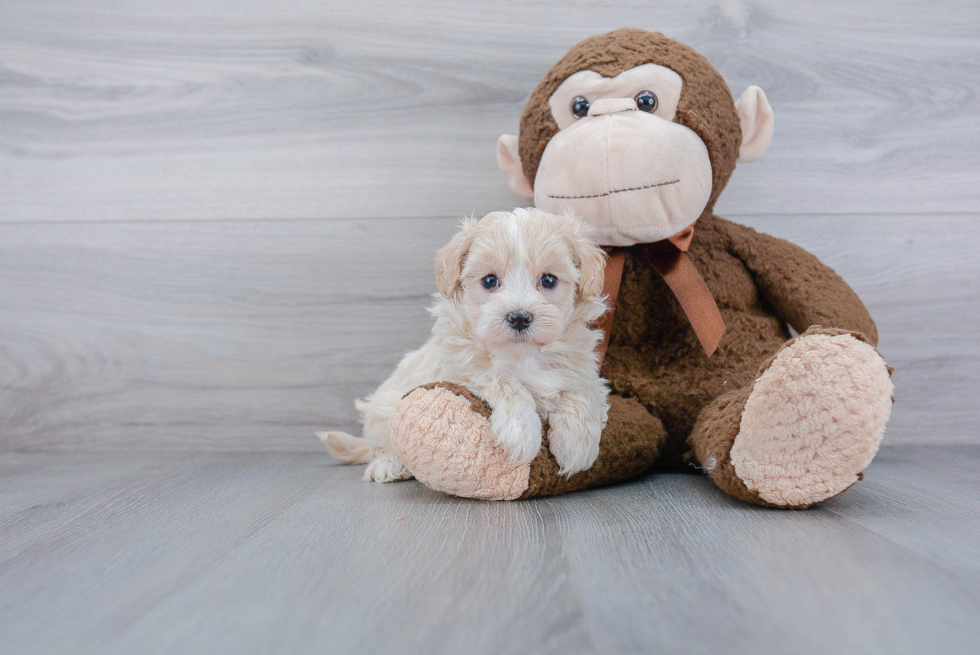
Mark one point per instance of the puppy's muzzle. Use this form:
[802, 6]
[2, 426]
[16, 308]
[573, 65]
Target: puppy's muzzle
[519, 320]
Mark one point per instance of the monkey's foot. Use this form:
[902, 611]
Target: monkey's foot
[814, 419]
[441, 432]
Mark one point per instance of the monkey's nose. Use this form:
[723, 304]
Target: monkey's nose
[611, 106]
[519, 320]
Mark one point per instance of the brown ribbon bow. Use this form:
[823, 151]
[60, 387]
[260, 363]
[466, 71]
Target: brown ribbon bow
[669, 258]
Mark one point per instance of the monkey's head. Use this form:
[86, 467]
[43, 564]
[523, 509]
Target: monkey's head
[636, 133]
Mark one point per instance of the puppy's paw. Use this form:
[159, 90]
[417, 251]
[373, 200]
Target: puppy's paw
[518, 432]
[574, 442]
[386, 467]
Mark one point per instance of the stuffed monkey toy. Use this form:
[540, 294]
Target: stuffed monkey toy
[638, 134]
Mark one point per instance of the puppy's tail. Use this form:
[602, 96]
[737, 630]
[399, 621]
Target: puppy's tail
[346, 449]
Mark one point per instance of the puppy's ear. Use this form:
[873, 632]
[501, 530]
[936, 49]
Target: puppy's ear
[590, 260]
[449, 260]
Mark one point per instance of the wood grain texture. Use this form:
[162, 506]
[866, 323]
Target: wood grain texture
[242, 335]
[233, 333]
[245, 334]
[288, 553]
[236, 109]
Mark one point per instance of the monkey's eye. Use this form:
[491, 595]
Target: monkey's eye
[548, 281]
[580, 106]
[646, 101]
[489, 281]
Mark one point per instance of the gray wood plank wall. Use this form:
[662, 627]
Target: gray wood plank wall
[217, 218]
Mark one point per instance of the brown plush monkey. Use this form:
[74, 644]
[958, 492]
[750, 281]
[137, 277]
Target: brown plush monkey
[638, 134]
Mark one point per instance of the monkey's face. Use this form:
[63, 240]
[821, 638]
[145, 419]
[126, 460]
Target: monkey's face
[620, 161]
[634, 132]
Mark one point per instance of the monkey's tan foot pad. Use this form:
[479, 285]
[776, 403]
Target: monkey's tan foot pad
[814, 419]
[441, 431]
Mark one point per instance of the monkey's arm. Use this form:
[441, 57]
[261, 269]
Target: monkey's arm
[801, 289]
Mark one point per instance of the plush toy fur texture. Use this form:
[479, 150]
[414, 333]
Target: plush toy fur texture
[464, 462]
[813, 420]
[706, 105]
[772, 420]
[457, 463]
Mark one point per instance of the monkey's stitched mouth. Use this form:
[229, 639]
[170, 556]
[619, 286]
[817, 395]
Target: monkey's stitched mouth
[609, 193]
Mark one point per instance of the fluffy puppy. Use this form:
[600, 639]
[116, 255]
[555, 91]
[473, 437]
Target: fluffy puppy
[517, 293]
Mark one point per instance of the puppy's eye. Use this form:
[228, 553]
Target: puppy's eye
[646, 101]
[580, 106]
[490, 281]
[548, 281]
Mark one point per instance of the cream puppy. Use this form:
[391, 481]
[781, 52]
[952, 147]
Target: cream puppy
[517, 292]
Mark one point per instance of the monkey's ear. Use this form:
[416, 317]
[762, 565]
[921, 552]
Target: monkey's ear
[450, 258]
[509, 161]
[755, 115]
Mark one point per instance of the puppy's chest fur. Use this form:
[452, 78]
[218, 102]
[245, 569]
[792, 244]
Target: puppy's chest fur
[544, 374]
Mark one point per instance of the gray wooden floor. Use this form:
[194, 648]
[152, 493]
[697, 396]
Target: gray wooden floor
[217, 223]
[290, 553]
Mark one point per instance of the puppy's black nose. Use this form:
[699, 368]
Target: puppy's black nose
[519, 320]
